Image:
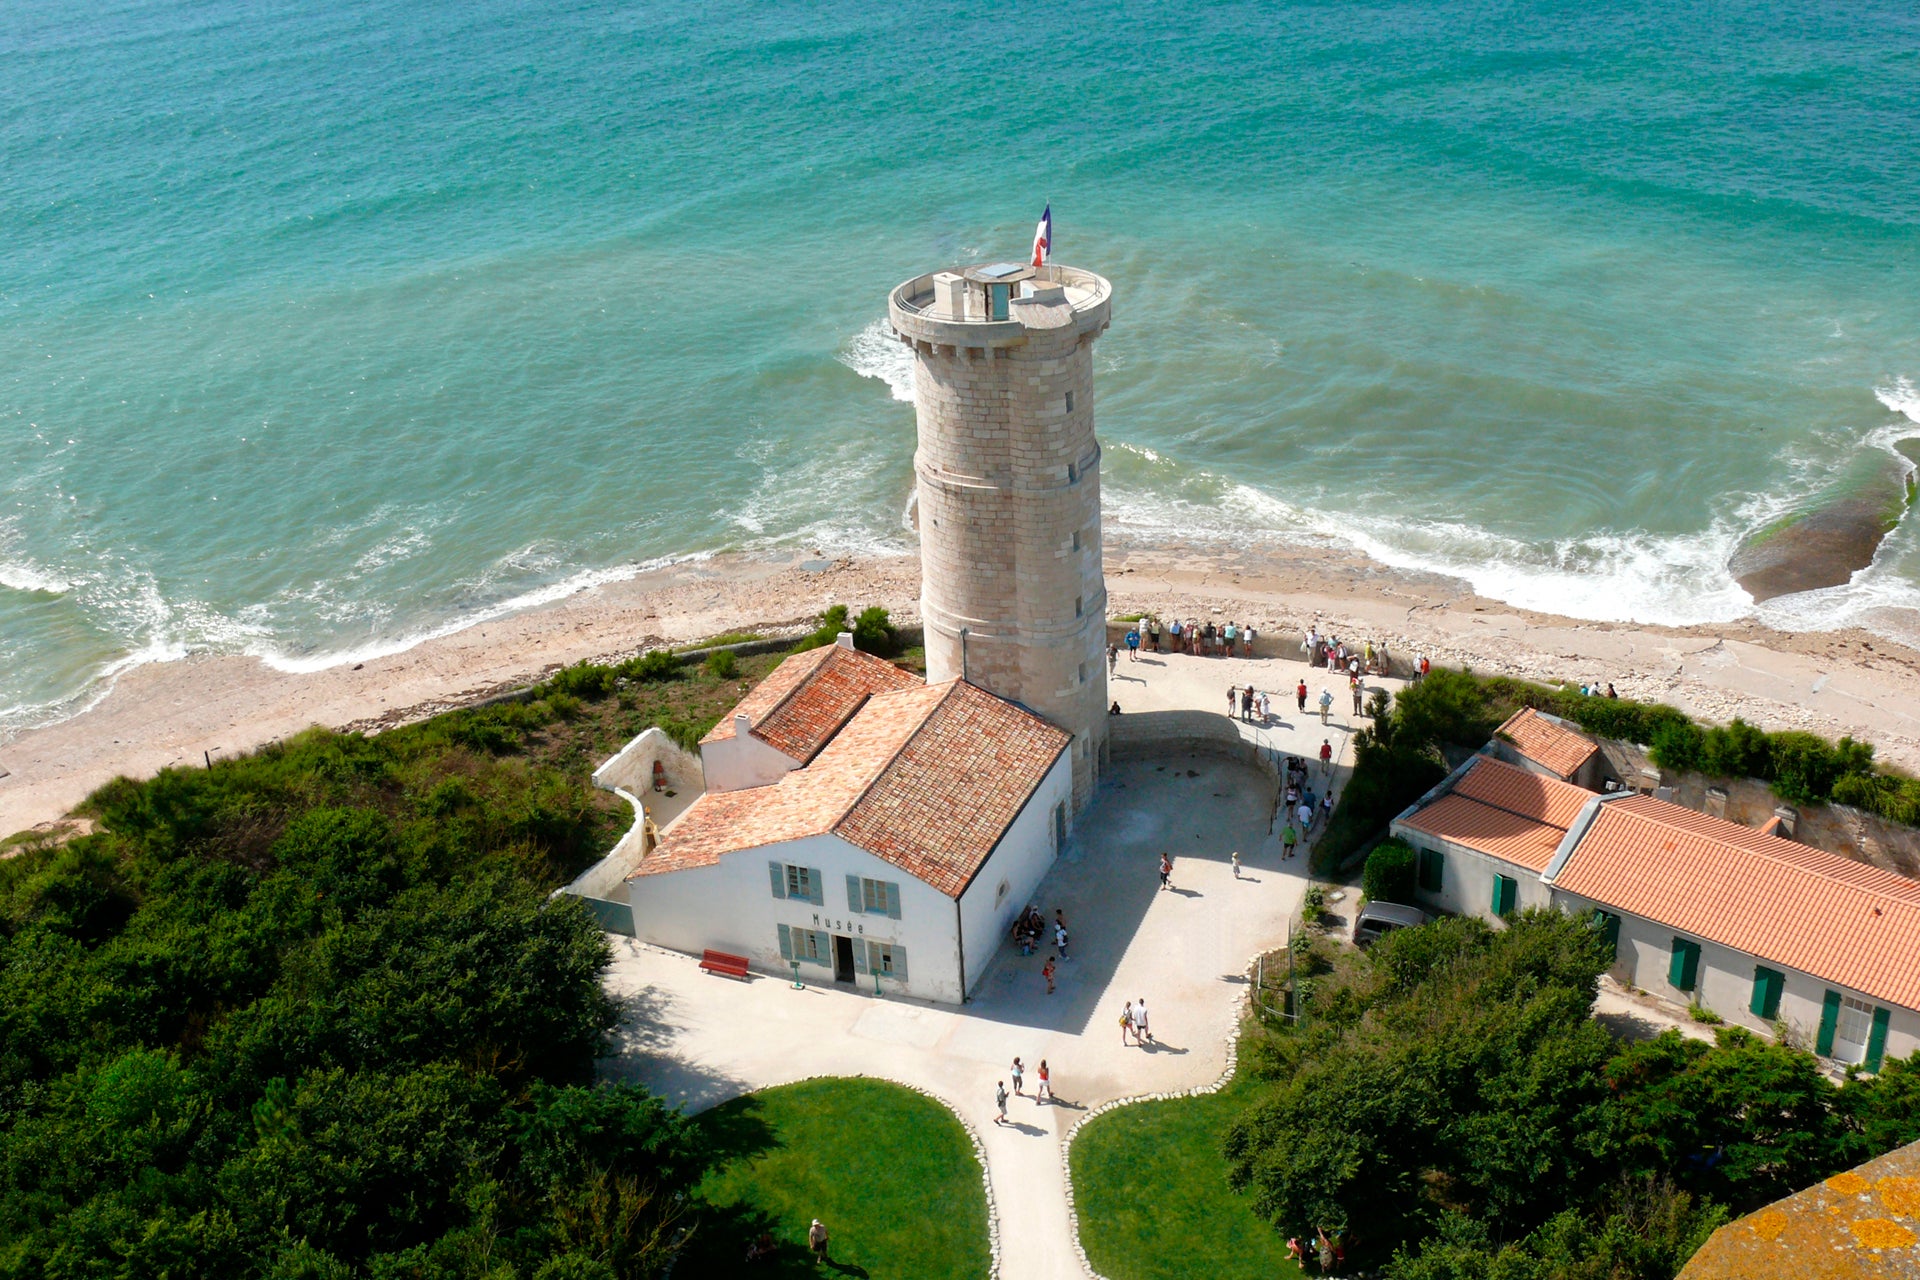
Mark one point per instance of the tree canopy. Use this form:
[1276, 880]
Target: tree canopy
[312, 1013]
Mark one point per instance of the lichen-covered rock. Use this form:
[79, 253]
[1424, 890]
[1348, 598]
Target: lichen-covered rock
[1834, 537]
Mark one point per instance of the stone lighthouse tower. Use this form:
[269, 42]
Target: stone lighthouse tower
[1012, 594]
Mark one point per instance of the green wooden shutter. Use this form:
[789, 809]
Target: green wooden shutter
[1431, 865]
[900, 965]
[854, 904]
[873, 956]
[816, 886]
[1877, 1038]
[893, 900]
[1608, 926]
[1505, 890]
[1683, 969]
[859, 958]
[1829, 1019]
[1767, 984]
[786, 943]
[779, 872]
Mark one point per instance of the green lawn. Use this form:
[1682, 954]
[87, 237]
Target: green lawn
[1151, 1187]
[890, 1172]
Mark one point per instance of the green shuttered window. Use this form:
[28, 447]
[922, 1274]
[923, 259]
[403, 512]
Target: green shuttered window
[809, 945]
[1506, 892]
[873, 897]
[1607, 925]
[1683, 970]
[1877, 1038]
[1431, 870]
[1767, 986]
[887, 959]
[1829, 1019]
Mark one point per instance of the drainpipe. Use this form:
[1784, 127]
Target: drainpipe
[963, 676]
[959, 933]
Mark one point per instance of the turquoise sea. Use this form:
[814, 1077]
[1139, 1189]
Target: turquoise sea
[327, 326]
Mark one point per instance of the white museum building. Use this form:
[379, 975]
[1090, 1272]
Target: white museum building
[861, 825]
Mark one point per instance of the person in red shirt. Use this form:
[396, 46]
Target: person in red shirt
[1326, 756]
[1301, 695]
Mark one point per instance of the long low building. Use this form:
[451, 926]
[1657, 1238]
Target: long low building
[1758, 929]
[861, 826]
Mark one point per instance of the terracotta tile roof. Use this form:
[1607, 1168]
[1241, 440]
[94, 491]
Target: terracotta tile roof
[1521, 791]
[1858, 1225]
[1547, 744]
[1505, 812]
[1492, 831]
[928, 778]
[952, 792]
[803, 702]
[1842, 921]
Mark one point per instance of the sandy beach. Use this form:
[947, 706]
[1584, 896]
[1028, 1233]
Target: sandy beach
[208, 706]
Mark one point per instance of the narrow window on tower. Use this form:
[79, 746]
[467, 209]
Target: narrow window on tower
[1078, 603]
[1069, 402]
[1073, 474]
[1083, 673]
[1076, 539]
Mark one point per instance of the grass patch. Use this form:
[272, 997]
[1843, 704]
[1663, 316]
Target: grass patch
[726, 637]
[1150, 1183]
[889, 1171]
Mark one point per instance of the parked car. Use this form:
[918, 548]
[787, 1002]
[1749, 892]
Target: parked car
[1377, 919]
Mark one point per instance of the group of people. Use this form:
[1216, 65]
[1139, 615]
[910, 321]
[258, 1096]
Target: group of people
[1030, 926]
[1134, 1027]
[1303, 808]
[1042, 1087]
[1335, 654]
[1201, 639]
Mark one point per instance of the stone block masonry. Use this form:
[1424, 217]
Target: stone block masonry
[1013, 592]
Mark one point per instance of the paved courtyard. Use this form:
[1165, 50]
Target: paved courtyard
[700, 1040]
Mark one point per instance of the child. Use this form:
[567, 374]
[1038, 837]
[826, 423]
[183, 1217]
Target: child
[1046, 971]
[1236, 864]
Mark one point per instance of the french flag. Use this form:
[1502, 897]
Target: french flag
[1043, 237]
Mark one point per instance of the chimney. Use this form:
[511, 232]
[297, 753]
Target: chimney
[1716, 802]
[1784, 821]
[742, 725]
[844, 640]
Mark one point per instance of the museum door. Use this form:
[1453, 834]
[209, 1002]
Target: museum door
[842, 958]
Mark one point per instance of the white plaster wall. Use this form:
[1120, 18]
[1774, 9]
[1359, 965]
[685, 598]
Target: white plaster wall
[730, 906]
[1466, 882]
[631, 768]
[742, 761]
[1022, 859]
[1724, 983]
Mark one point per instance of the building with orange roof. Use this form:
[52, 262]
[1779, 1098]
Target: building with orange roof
[863, 826]
[1540, 743]
[1701, 911]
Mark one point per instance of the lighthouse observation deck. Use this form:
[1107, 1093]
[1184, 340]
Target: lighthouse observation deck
[996, 304]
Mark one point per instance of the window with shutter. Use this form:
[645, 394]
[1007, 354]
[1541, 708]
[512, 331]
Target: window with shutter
[786, 943]
[1683, 968]
[798, 883]
[1607, 925]
[779, 872]
[1431, 864]
[856, 898]
[1767, 986]
[1877, 1038]
[1506, 891]
[1829, 1022]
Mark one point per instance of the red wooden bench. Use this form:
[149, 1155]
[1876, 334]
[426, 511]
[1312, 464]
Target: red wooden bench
[721, 962]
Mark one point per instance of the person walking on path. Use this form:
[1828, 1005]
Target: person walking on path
[1133, 644]
[1326, 704]
[1153, 632]
[1236, 864]
[1326, 803]
[1305, 814]
[1300, 692]
[1246, 642]
[1045, 1085]
[1266, 707]
[1233, 699]
[1288, 839]
[1126, 1024]
[1113, 658]
[1326, 755]
[1046, 971]
[1142, 1033]
[1019, 1073]
[1166, 871]
[1060, 939]
[817, 1239]
[1359, 692]
[1000, 1101]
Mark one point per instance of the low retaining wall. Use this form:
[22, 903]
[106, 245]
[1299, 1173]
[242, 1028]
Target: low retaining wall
[1145, 735]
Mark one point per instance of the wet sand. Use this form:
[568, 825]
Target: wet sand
[1833, 683]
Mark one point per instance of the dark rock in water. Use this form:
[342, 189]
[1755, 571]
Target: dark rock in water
[1835, 536]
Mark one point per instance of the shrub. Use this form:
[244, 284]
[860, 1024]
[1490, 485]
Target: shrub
[653, 665]
[1389, 876]
[587, 680]
[1737, 751]
[721, 664]
[832, 623]
[874, 633]
[1681, 747]
[1700, 1013]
